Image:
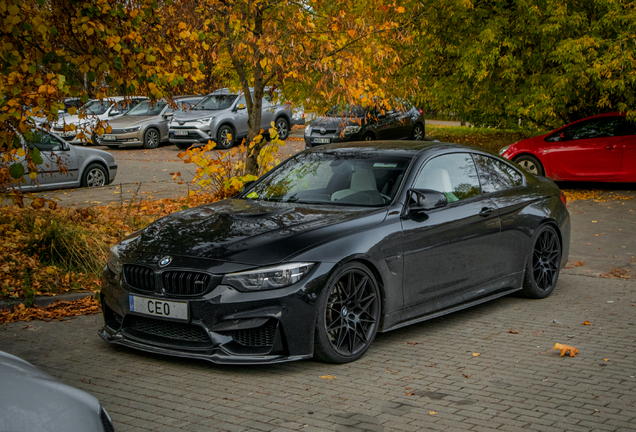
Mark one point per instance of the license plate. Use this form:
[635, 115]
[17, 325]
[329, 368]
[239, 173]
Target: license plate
[159, 308]
[322, 140]
[180, 132]
[109, 138]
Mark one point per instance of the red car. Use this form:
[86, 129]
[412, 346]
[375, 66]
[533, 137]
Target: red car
[598, 148]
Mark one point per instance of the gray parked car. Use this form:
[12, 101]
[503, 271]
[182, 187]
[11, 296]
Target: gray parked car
[146, 124]
[221, 114]
[32, 400]
[81, 166]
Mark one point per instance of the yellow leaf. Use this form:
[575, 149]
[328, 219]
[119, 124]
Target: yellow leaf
[432, 413]
[400, 9]
[33, 175]
[72, 110]
[566, 348]
[20, 152]
[476, 354]
[264, 63]
[328, 377]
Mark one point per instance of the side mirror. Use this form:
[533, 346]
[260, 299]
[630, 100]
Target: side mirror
[114, 113]
[426, 199]
[168, 115]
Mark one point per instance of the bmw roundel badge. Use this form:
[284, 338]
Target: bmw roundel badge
[165, 261]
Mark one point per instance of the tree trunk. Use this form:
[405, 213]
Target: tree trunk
[254, 128]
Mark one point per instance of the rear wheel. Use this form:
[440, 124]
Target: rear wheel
[368, 137]
[530, 164]
[348, 315]
[223, 140]
[418, 133]
[282, 128]
[94, 175]
[151, 138]
[544, 264]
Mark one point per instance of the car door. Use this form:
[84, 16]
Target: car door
[501, 183]
[628, 165]
[404, 120]
[388, 126]
[267, 112]
[241, 117]
[447, 251]
[590, 149]
[60, 163]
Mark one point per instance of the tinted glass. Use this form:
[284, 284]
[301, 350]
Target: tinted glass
[215, 102]
[496, 175]
[596, 128]
[339, 178]
[453, 174]
[147, 109]
[45, 142]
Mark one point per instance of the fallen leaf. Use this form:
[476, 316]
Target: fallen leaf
[587, 323]
[412, 343]
[409, 394]
[513, 331]
[432, 413]
[328, 377]
[476, 354]
[579, 263]
[605, 359]
[566, 348]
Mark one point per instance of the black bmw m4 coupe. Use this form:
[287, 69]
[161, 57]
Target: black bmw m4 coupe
[334, 245]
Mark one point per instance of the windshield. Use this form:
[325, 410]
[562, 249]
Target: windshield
[369, 178]
[215, 102]
[96, 107]
[146, 109]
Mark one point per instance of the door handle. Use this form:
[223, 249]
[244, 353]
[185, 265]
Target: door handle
[610, 147]
[486, 211]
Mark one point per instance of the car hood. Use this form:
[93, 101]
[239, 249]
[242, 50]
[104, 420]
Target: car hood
[74, 119]
[131, 121]
[192, 115]
[250, 232]
[33, 400]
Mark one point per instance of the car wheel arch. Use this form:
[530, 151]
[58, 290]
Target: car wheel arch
[541, 159]
[364, 260]
[97, 162]
[554, 224]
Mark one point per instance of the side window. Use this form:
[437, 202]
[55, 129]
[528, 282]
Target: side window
[496, 175]
[241, 101]
[596, 128]
[453, 174]
[45, 142]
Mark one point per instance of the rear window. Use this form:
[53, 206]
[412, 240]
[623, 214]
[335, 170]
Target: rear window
[496, 175]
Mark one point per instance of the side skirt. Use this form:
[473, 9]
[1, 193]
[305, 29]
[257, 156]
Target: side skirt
[449, 310]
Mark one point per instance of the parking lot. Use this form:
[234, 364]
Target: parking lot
[491, 367]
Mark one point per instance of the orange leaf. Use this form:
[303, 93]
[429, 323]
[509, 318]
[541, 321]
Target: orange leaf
[566, 348]
[587, 323]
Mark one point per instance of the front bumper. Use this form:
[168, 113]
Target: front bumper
[123, 139]
[315, 140]
[224, 326]
[193, 135]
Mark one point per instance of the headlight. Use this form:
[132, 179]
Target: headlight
[503, 150]
[308, 130]
[268, 277]
[351, 130]
[114, 263]
[205, 120]
[132, 129]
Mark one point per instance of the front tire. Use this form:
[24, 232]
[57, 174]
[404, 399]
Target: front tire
[348, 315]
[151, 138]
[530, 164]
[223, 140]
[544, 264]
[368, 137]
[94, 175]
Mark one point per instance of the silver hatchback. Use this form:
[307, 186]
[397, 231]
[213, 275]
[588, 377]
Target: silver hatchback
[146, 124]
[67, 166]
[222, 117]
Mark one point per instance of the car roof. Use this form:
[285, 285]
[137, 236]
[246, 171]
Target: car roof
[396, 147]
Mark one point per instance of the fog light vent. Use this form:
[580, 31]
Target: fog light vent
[262, 336]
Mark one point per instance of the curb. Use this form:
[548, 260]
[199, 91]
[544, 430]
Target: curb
[43, 301]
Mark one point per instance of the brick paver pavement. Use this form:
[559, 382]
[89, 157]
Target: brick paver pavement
[517, 382]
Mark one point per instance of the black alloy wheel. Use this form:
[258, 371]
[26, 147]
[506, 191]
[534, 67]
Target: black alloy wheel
[151, 138]
[530, 164]
[94, 175]
[418, 132]
[282, 128]
[223, 140]
[348, 315]
[542, 270]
